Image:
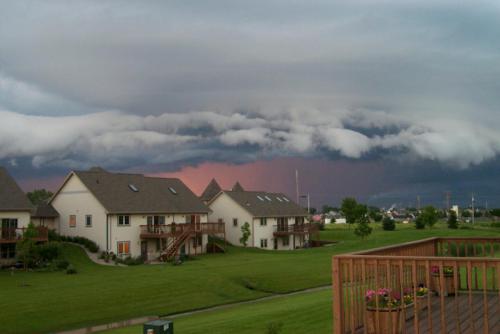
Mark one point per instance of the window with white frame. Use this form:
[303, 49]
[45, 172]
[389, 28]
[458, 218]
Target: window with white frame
[286, 241]
[263, 243]
[123, 248]
[123, 220]
[72, 221]
[235, 222]
[263, 222]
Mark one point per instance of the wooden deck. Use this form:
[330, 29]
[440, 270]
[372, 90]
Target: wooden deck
[457, 317]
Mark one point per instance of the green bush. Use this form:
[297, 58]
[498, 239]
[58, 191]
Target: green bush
[87, 243]
[419, 223]
[130, 261]
[388, 224]
[71, 270]
[495, 224]
[49, 251]
[452, 220]
[62, 264]
[53, 236]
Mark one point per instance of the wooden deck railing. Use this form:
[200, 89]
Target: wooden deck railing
[176, 229]
[294, 228]
[13, 234]
[462, 275]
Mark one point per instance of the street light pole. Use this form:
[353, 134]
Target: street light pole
[472, 208]
[308, 202]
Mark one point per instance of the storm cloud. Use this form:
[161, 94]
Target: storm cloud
[124, 84]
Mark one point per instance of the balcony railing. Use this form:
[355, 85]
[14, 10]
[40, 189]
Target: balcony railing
[462, 276]
[294, 229]
[176, 229]
[13, 234]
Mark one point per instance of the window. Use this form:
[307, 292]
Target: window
[235, 222]
[279, 199]
[123, 247]
[172, 190]
[7, 251]
[268, 198]
[88, 221]
[286, 241]
[286, 199]
[72, 221]
[263, 222]
[133, 188]
[263, 243]
[260, 198]
[197, 241]
[123, 220]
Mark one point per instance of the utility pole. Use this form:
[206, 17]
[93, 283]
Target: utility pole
[297, 185]
[418, 202]
[472, 208]
[448, 197]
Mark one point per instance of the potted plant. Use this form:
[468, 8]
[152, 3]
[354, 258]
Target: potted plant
[448, 287]
[387, 305]
[421, 303]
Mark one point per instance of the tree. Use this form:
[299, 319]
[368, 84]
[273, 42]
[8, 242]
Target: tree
[375, 215]
[419, 223]
[352, 210]
[495, 212]
[326, 208]
[388, 224]
[26, 248]
[428, 217]
[363, 229]
[245, 234]
[466, 213]
[39, 196]
[452, 220]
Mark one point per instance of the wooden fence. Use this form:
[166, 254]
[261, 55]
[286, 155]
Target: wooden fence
[462, 276]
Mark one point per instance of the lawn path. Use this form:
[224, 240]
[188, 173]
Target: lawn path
[141, 320]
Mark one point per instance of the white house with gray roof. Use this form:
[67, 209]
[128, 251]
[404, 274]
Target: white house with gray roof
[134, 215]
[276, 222]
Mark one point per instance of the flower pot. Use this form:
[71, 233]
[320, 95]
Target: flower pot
[421, 303]
[448, 288]
[390, 320]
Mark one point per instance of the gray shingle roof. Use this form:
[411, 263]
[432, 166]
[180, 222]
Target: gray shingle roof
[45, 210]
[210, 191]
[12, 198]
[115, 191]
[237, 187]
[264, 204]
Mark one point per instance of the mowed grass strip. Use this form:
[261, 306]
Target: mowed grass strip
[305, 313]
[41, 302]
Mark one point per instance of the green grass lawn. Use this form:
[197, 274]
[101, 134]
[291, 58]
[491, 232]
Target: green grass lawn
[307, 313]
[40, 302]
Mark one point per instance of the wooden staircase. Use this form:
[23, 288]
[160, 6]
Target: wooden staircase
[174, 246]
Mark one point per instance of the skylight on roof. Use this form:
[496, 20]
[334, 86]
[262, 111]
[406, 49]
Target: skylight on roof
[133, 188]
[172, 190]
[286, 199]
[260, 198]
[268, 198]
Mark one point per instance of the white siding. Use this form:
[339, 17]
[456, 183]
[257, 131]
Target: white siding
[75, 199]
[223, 207]
[23, 218]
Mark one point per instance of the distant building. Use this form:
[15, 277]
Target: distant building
[134, 215]
[275, 221]
[15, 216]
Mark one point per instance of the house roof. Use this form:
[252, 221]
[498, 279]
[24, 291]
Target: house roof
[136, 193]
[264, 204]
[45, 210]
[237, 187]
[12, 198]
[210, 191]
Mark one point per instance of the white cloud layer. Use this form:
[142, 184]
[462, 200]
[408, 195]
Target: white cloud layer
[110, 138]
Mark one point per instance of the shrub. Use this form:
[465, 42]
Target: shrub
[495, 224]
[87, 243]
[363, 229]
[419, 223]
[62, 264]
[388, 224]
[452, 220]
[49, 251]
[71, 270]
[53, 236]
[130, 261]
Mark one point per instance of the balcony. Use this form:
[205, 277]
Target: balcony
[462, 276]
[175, 230]
[13, 234]
[285, 230]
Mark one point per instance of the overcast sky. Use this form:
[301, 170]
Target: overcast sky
[161, 86]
